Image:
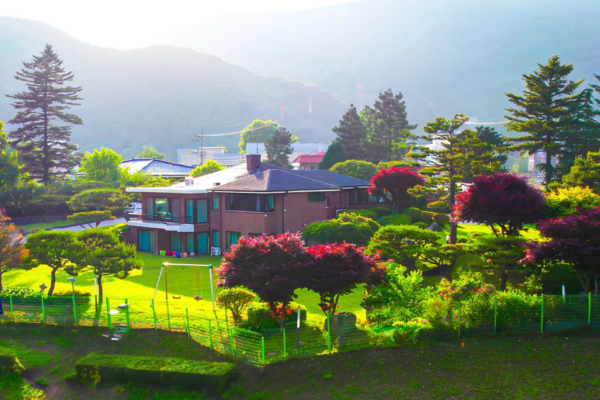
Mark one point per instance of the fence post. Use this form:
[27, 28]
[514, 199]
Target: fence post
[210, 334]
[459, 320]
[263, 349]
[232, 344]
[108, 315]
[495, 312]
[43, 310]
[328, 331]
[226, 319]
[154, 315]
[12, 312]
[187, 318]
[284, 345]
[127, 315]
[542, 319]
[589, 308]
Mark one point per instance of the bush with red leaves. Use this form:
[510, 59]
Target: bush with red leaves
[396, 181]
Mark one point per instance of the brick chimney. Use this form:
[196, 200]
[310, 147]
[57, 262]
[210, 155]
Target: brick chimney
[252, 161]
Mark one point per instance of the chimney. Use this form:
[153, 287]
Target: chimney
[252, 161]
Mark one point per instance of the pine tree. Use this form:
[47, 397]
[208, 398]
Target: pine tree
[548, 113]
[334, 154]
[279, 146]
[44, 147]
[390, 127]
[494, 142]
[352, 134]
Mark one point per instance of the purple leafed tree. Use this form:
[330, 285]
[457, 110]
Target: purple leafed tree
[396, 181]
[504, 202]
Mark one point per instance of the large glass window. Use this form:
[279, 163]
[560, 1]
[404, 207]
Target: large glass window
[175, 242]
[161, 207]
[149, 208]
[189, 211]
[146, 240]
[316, 197]
[203, 243]
[189, 243]
[362, 196]
[215, 239]
[251, 202]
[215, 201]
[202, 211]
[232, 238]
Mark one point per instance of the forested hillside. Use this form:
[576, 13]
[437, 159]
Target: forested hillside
[161, 95]
[445, 56]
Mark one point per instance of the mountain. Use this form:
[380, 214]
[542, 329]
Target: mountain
[161, 95]
[445, 56]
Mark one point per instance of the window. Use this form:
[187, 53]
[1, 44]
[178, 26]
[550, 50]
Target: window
[232, 238]
[362, 196]
[189, 243]
[175, 242]
[313, 167]
[251, 202]
[202, 211]
[215, 239]
[189, 211]
[316, 197]
[161, 207]
[215, 201]
[149, 208]
[203, 243]
[146, 240]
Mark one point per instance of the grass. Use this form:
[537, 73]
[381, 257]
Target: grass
[45, 225]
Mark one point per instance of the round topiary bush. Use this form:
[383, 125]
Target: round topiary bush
[441, 219]
[414, 214]
[381, 211]
[427, 216]
[395, 219]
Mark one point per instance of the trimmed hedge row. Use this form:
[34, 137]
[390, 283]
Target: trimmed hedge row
[417, 215]
[164, 371]
[9, 362]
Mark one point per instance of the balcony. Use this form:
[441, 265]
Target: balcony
[164, 221]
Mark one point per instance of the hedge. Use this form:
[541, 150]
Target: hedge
[364, 213]
[395, 219]
[381, 211]
[414, 214]
[427, 216]
[259, 314]
[163, 371]
[9, 362]
[441, 219]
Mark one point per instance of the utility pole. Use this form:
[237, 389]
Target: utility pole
[200, 138]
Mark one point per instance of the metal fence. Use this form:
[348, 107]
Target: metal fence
[547, 314]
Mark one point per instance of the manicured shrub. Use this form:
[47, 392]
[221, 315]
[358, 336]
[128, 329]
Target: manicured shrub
[396, 182]
[235, 300]
[20, 293]
[439, 207]
[153, 371]
[414, 214]
[395, 219]
[421, 225]
[441, 219]
[260, 315]
[365, 213]
[381, 211]
[566, 201]
[356, 168]
[348, 227]
[427, 217]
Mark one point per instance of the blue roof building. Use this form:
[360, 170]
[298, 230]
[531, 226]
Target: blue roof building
[166, 169]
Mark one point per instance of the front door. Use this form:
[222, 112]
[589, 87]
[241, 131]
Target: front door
[203, 243]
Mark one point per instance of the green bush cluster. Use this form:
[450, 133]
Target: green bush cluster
[94, 368]
[414, 214]
[9, 363]
[381, 211]
[349, 227]
[260, 315]
[427, 216]
[441, 219]
[365, 213]
[395, 219]
[20, 293]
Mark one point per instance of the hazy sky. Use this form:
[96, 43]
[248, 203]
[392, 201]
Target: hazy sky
[126, 24]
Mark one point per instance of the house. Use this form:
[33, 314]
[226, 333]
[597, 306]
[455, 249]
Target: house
[214, 210]
[308, 162]
[192, 157]
[166, 169]
[298, 149]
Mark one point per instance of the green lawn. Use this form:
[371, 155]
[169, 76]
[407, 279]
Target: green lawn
[45, 225]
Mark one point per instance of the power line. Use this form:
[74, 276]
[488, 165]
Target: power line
[487, 123]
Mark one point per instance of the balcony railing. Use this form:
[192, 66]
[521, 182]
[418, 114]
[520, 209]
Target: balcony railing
[164, 218]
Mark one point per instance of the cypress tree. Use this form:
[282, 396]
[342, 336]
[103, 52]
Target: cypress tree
[390, 126]
[44, 147]
[548, 113]
[334, 154]
[352, 134]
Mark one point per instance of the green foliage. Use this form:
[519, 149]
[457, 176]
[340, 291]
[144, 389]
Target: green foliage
[49, 197]
[585, 172]
[43, 146]
[257, 132]
[83, 218]
[279, 147]
[112, 200]
[556, 274]
[413, 213]
[236, 300]
[395, 219]
[103, 166]
[398, 164]
[381, 211]
[150, 152]
[349, 227]
[209, 167]
[439, 207]
[260, 315]
[356, 168]
[400, 299]
[9, 363]
[154, 370]
[441, 219]
[566, 201]
[351, 132]
[20, 293]
[409, 330]
[333, 155]
[369, 213]
[10, 170]
[427, 216]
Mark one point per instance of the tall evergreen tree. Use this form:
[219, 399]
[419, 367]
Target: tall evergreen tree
[494, 142]
[548, 113]
[279, 147]
[334, 154]
[9, 163]
[45, 147]
[352, 134]
[390, 127]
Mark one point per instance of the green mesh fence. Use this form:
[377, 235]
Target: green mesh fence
[247, 346]
[565, 313]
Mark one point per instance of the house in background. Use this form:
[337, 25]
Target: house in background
[192, 157]
[298, 149]
[166, 169]
[214, 210]
[308, 162]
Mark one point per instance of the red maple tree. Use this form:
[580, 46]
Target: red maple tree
[396, 181]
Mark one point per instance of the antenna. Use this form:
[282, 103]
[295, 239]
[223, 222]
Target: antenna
[200, 138]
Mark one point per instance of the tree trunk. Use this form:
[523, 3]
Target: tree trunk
[584, 280]
[52, 281]
[548, 176]
[504, 280]
[453, 225]
[99, 280]
[281, 320]
[1, 285]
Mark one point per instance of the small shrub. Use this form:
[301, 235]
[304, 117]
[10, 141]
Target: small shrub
[439, 207]
[381, 211]
[41, 382]
[421, 225]
[427, 216]
[349, 227]
[409, 330]
[364, 213]
[20, 293]
[235, 300]
[441, 219]
[69, 292]
[414, 214]
[395, 219]
[260, 315]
